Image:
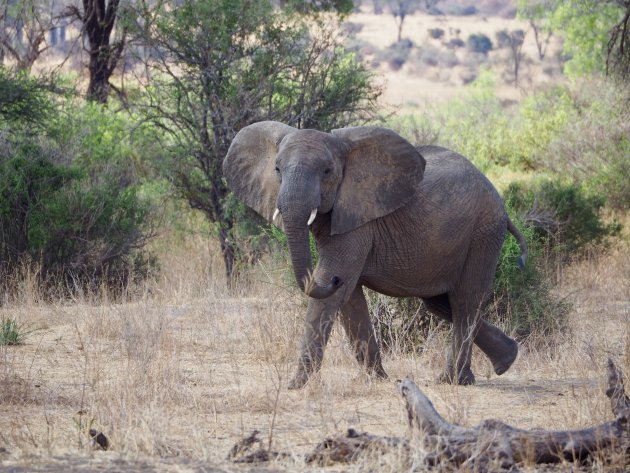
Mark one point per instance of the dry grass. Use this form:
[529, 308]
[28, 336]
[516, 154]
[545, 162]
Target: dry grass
[187, 369]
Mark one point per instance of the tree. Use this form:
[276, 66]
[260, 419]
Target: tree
[24, 25]
[537, 13]
[515, 40]
[400, 9]
[586, 26]
[221, 65]
[618, 48]
[98, 18]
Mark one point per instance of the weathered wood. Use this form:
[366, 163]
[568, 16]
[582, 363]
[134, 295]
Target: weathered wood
[619, 401]
[491, 445]
[498, 440]
[346, 449]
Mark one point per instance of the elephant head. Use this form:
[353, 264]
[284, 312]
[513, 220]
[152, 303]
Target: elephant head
[355, 174]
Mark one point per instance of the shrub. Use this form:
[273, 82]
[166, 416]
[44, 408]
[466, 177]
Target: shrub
[479, 43]
[455, 43]
[565, 218]
[503, 38]
[70, 201]
[593, 144]
[69, 228]
[436, 33]
[23, 100]
[431, 56]
[522, 299]
[396, 54]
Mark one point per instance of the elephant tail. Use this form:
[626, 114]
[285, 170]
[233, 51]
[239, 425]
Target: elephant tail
[521, 242]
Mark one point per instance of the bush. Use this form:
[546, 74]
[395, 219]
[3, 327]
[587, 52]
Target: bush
[23, 100]
[436, 33]
[479, 43]
[503, 38]
[396, 54]
[432, 56]
[70, 229]
[71, 208]
[456, 43]
[565, 218]
[593, 144]
[522, 299]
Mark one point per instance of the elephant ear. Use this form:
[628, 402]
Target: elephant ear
[381, 174]
[249, 166]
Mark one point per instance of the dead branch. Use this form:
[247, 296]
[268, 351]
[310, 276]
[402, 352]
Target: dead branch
[494, 441]
[490, 445]
[346, 449]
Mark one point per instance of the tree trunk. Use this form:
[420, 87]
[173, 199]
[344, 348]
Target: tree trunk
[98, 24]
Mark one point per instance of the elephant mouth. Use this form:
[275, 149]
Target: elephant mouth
[311, 218]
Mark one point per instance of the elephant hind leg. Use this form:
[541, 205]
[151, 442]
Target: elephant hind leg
[500, 349]
[355, 318]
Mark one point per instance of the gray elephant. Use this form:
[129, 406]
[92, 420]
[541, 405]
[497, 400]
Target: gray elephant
[400, 220]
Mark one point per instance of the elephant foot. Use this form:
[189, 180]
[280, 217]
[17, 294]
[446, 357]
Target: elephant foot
[500, 349]
[465, 378]
[505, 358]
[378, 372]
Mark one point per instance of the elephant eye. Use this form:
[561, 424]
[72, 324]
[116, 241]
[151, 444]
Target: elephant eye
[277, 169]
[327, 171]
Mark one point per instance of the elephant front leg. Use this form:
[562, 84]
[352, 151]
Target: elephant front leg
[319, 321]
[355, 318]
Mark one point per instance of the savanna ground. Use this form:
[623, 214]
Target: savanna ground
[177, 376]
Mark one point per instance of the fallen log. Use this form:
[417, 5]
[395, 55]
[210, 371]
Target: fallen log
[490, 445]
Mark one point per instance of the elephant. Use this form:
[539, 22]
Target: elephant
[398, 219]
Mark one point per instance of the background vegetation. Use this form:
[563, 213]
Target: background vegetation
[82, 180]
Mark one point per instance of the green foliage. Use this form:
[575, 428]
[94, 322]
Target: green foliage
[23, 100]
[343, 7]
[565, 218]
[70, 205]
[69, 227]
[523, 298]
[11, 332]
[222, 65]
[479, 43]
[585, 26]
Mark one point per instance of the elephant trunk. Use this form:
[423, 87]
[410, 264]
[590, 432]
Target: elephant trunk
[296, 208]
[299, 247]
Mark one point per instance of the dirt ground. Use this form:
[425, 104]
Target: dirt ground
[175, 379]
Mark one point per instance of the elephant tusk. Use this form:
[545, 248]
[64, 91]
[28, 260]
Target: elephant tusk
[275, 215]
[312, 217]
